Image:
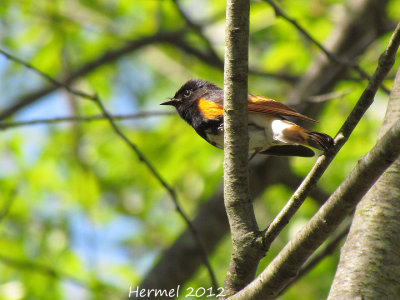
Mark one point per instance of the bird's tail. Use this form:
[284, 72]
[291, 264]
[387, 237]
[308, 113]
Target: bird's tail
[319, 140]
[298, 135]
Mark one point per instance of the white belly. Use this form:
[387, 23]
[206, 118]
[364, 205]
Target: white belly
[264, 133]
[261, 136]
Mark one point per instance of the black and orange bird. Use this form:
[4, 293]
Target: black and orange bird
[200, 103]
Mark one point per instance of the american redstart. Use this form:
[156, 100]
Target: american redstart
[200, 103]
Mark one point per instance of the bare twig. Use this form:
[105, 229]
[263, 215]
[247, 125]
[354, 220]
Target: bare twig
[386, 61]
[135, 149]
[171, 192]
[197, 28]
[174, 38]
[45, 76]
[338, 60]
[4, 126]
[212, 57]
[328, 96]
[216, 62]
[107, 57]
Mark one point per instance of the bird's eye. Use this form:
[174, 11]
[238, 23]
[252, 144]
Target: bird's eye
[187, 93]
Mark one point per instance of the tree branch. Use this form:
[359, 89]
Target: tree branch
[242, 221]
[198, 29]
[386, 61]
[182, 258]
[349, 39]
[314, 260]
[169, 189]
[369, 260]
[4, 126]
[286, 265]
[216, 62]
[174, 38]
[106, 58]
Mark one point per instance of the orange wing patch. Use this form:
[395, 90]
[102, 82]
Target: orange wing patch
[210, 109]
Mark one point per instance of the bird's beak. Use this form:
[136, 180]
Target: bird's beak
[171, 101]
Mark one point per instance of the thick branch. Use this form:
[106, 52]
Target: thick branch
[242, 221]
[286, 265]
[385, 64]
[183, 257]
[349, 39]
[370, 259]
[327, 250]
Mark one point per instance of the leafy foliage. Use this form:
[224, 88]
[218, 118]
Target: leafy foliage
[80, 215]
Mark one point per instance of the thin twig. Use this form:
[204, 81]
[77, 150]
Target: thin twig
[328, 96]
[173, 38]
[87, 67]
[135, 149]
[171, 192]
[4, 126]
[197, 28]
[45, 76]
[386, 61]
[331, 56]
[215, 61]
[212, 57]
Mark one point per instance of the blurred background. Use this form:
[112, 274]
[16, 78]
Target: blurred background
[80, 216]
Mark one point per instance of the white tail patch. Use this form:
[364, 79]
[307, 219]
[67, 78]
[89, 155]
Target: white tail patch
[278, 129]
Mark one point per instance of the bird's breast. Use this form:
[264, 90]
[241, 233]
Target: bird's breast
[261, 136]
[215, 136]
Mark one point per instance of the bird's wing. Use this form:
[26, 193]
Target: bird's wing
[256, 104]
[268, 106]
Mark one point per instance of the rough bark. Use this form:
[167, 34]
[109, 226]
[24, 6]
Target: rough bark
[183, 258]
[288, 262]
[242, 221]
[183, 255]
[369, 265]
